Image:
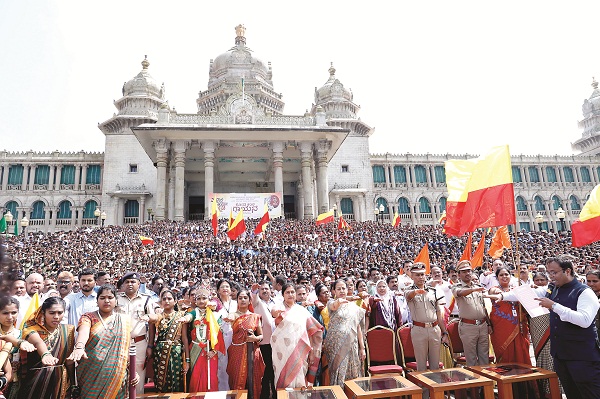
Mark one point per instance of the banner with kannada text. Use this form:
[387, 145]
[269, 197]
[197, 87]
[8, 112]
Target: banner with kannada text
[253, 204]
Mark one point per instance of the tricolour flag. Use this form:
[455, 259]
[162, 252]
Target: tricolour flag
[467, 255]
[396, 220]
[500, 241]
[146, 240]
[33, 306]
[325, 218]
[477, 259]
[215, 216]
[423, 257]
[238, 226]
[3, 224]
[343, 224]
[263, 222]
[480, 192]
[586, 229]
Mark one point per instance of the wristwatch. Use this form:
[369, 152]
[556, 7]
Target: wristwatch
[553, 305]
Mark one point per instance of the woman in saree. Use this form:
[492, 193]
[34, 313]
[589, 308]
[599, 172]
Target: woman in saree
[321, 314]
[102, 350]
[344, 345]
[247, 327]
[206, 341]
[296, 343]
[54, 342]
[225, 306]
[170, 347]
[592, 279]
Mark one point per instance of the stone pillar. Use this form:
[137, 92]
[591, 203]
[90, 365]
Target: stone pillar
[362, 207]
[417, 207]
[278, 166]
[411, 169]
[594, 174]
[52, 227]
[142, 215]
[171, 202]
[392, 176]
[51, 178]
[524, 178]
[300, 196]
[80, 216]
[306, 151]
[83, 176]
[338, 205]
[32, 176]
[433, 179]
[25, 174]
[77, 177]
[413, 217]
[58, 176]
[322, 183]
[180, 148]
[120, 212]
[5, 169]
[209, 175]
[544, 174]
[74, 210]
[161, 178]
[561, 176]
[47, 211]
[386, 174]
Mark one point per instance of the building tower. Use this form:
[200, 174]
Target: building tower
[589, 143]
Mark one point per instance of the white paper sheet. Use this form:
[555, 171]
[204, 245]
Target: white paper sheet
[526, 296]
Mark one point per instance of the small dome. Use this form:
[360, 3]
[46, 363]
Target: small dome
[143, 84]
[333, 89]
[238, 62]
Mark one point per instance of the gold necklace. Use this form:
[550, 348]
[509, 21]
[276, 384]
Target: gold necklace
[7, 332]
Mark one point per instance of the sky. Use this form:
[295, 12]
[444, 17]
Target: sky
[432, 77]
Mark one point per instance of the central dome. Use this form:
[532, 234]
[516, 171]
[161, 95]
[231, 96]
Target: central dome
[237, 63]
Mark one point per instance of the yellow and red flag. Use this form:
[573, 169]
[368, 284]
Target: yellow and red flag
[500, 241]
[480, 192]
[230, 220]
[325, 218]
[146, 240]
[467, 253]
[423, 257]
[33, 306]
[215, 217]
[477, 259]
[396, 221]
[343, 224]
[586, 229]
[262, 223]
[238, 226]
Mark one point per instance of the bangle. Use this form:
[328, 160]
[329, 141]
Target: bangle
[187, 360]
[19, 342]
[45, 353]
[79, 347]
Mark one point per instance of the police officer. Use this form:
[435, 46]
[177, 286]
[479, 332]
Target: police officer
[428, 329]
[135, 304]
[474, 327]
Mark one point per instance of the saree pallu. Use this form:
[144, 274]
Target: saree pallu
[52, 382]
[292, 342]
[539, 328]
[341, 344]
[104, 374]
[237, 368]
[200, 365]
[510, 336]
[168, 360]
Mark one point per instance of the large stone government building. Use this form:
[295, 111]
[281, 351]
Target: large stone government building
[160, 164]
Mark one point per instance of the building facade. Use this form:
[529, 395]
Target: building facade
[159, 164]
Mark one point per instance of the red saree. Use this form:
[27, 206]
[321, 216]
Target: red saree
[511, 331]
[237, 367]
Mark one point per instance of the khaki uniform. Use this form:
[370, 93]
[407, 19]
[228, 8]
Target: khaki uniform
[140, 305]
[426, 339]
[473, 327]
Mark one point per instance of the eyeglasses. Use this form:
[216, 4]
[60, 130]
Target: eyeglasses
[554, 273]
[63, 282]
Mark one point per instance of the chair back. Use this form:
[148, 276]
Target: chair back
[379, 342]
[406, 344]
[456, 344]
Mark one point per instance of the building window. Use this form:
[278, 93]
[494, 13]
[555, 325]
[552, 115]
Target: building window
[534, 176]
[67, 175]
[420, 174]
[15, 174]
[93, 174]
[399, 174]
[37, 211]
[64, 210]
[521, 204]
[524, 226]
[443, 204]
[378, 174]
[403, 205]
[133, 168]
[382, 201]
[585, 175]
[516, 173]
[89, 208]
[575, 205]
[424, 206]
[551, 173]
[539, 204]
[132, 209]
[347, 206]
[345, 169]
[568, 174]
[42, 174]
[440, 174]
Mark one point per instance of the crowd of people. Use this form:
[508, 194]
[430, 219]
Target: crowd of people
[288, 309]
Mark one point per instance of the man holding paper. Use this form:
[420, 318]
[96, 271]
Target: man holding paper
[574, 343]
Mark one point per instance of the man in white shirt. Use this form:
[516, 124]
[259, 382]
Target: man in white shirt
[33, 284]
[85, 300]
[262, 303]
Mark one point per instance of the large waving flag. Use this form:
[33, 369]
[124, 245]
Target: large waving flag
[477, 259]
[343, 224]
[325, 218]
[480, 192]
[500, 241]
[146, 240]
[396, 221]
[586, 229]
[423, 257]
[215, 217]
[262, 223]
[238, 226]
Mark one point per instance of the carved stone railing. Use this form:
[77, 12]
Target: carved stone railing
[193, 119]
[131, 220]
[40, 187]
[13, 187]
[92, 187]
[346, 186]
[67, 186]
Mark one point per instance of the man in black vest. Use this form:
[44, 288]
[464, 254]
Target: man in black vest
[574, 341]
